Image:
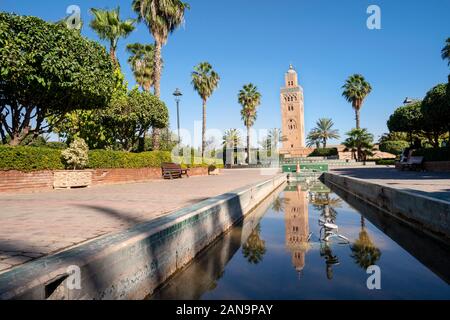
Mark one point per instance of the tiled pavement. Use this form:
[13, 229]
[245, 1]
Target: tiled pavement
[37, 224]
[431, 184]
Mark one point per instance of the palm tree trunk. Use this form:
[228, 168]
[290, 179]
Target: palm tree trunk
[248, 143]
[112, 54]
[204, 129]
[357, 117]
[157, 86]
[157, 67]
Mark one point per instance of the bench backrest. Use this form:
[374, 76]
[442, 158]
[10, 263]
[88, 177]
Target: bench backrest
[171, 165]
[415, 160]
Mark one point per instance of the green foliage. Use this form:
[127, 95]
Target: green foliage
[324, 152]
[408, 118]
[322, 132]
[141, 63]
[359, 142]
[76, 155]
[129, 116]
[394, 147]
[356, 89]
[436, 109]
[120, 159]
[29, 158]
[56, 145]
[64, 72]
[434, 154]
[384, 162]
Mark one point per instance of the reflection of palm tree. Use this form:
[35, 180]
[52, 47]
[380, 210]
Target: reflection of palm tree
[279, 203]
[327, 205]
[254, 248]
[364, 252]
[330, 259]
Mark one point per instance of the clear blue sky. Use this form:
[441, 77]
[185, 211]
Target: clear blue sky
[255, 40]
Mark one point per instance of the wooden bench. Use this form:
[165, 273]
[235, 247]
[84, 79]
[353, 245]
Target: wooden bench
[413, 163]
[173, 170]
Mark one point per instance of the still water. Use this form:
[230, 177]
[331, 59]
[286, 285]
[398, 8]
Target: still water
[306, 242]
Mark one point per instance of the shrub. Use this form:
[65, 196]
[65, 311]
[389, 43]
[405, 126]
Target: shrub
[434, 154]
[56, 145]
[394, 147]
[105, 159]
[29, 158]
[76, 155]
[324, 152]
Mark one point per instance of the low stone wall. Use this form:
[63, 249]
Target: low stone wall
[425, 213]
[18, 181]
[131, 264]
[437, 166]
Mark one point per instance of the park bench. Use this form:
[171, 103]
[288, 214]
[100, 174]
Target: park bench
[413, 163]
[173, 170]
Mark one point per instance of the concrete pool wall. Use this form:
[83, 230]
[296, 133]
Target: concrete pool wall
[131, 264]
[427, 214]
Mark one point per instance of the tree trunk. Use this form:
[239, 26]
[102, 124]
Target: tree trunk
[15, 139]
[112, 54]
[357, 117]
[324, 143]
[204, 129]
[157, 68]
[248, 144]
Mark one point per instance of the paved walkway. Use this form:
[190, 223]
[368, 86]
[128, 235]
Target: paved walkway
[37, 224]
[432, 184]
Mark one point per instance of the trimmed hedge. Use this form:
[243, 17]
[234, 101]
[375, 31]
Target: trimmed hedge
[434, 154]
[394, 147]
[29, 158]
[40, 158]
[324, 152]
[106, 159]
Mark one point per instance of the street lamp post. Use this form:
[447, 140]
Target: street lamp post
[177, 94]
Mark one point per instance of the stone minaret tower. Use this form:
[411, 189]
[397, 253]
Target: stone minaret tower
[292, 118]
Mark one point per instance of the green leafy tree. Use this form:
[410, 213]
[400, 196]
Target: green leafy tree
[129, 116]
[394, 147]
[445, 53]
[204, 80]
[108, 26]
[359, 142]
[436, 112]
[249, 98]
[254, 248]
[324, 131]
[141, 62]
[64, 72]
[407, 118]
[356, 89]
[76, 155]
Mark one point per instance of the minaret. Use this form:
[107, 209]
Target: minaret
[292, 118]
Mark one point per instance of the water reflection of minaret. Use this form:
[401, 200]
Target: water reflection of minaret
[297, 227]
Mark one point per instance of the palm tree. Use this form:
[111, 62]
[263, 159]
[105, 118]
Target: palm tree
[231, 140]
[359, 141]
[323, 131]
[313, 139]
[204, 80]
[356, 90]
[250, 99]
[254, 248]
[446, 51]
[162, 17]
[141, 62]
[108, 26]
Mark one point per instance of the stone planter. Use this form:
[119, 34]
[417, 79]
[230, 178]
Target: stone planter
[214, 172]
[72, 178]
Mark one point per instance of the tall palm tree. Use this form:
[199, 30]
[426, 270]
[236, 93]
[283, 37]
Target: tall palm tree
[313, 139]
[204, 80]
[359, 141]
[231, 138]
[356, 89]
[445, 53]
[250, 99]
[141, 63]
[108, 26]
[162, 17]
[323, 131]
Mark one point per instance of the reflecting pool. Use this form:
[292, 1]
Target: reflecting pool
[307, 242]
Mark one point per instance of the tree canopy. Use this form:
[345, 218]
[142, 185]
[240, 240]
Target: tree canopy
[406, 118]
[436, 109]
[47, 69]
